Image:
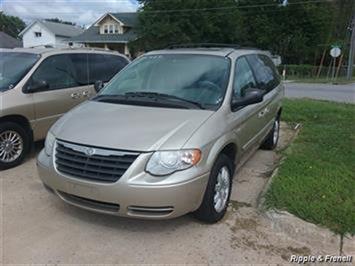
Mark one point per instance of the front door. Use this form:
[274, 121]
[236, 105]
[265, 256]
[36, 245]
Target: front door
[66, 88]
[248, 120]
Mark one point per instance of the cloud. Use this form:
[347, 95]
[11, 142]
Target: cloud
[82, 12]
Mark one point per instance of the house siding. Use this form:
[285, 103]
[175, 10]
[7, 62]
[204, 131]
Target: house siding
[109, 21]
[30, 40]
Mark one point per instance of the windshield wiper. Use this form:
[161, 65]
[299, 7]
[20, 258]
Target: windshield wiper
[163, 96]
[109, 98]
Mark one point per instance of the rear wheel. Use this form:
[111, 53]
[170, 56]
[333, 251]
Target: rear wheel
[216, 198]
[272, 138]
[14, 145]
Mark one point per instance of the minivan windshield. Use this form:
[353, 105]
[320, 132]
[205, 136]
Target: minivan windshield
[172, 80]
[13, 67]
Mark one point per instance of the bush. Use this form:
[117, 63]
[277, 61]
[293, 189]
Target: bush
[310, 71]
[299, 71]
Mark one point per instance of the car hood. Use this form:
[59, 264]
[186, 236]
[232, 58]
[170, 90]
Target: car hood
[127, 127]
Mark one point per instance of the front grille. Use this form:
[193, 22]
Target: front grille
[90, 163]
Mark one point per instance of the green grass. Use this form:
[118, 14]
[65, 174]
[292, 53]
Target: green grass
[316, 182]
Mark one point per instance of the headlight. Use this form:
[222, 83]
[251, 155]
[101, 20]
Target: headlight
[167, 162]
[48, 144]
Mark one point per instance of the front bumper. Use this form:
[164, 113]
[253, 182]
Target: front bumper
[134, 195]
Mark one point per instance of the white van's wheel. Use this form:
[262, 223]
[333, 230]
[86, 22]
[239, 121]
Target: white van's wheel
[216, 197]
[14, 144]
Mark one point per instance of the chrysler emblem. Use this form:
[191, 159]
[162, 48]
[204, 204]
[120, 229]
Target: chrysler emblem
[90, 151]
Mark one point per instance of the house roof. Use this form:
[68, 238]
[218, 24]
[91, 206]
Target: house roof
[58, 29]
[128, 19]
[6, 41]
[92, 34]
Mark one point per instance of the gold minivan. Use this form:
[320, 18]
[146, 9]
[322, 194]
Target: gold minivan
[37, 86]
[164, 136]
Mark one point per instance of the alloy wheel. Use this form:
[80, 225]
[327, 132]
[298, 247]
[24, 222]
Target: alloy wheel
[11, 146]
[275, 136]
[221, 189]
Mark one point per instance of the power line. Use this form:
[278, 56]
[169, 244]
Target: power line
[232, 7]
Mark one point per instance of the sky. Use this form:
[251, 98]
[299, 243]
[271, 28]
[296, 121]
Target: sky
[82, 12]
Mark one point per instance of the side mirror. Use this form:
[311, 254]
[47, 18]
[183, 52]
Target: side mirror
[38, 85]
[98, 85]
[251, 96]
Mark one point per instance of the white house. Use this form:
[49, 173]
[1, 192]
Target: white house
[46, 33]
[111, 31]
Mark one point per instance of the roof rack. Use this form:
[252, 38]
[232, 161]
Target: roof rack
[203, 45]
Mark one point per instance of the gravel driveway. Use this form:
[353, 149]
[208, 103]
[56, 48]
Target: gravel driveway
[36, 227]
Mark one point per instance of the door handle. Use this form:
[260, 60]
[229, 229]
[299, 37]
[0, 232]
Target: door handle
[86, 93]
[263, 112]
[75, 95]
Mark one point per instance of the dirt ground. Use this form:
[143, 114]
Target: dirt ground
[36, 227]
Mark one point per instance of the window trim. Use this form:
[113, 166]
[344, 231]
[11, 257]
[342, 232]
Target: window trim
[111, 27]
[234, 80]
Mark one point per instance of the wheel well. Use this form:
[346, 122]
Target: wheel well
[279, 112]
[231, 151]
[20, 120]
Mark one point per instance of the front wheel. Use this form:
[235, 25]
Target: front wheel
[216, 198]
[14, 144]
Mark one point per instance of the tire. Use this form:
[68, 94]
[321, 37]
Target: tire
[272, 138]
[21, 144]
[208, 211]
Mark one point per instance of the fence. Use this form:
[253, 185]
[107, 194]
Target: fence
[312, 72]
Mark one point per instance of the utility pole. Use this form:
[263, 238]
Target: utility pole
[352, 48]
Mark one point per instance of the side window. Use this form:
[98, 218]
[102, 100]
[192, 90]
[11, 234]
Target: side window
[243, 78]
[57, 71]
[80, 63]
[265, 71]
[114, 64]
[103, 67]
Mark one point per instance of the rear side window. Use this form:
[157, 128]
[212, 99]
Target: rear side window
[265, 71]
[103, 67]
[58, 71]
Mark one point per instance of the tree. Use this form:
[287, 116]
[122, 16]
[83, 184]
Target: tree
[293, 29]
[185, 25]
[57, 20]
[11, 25]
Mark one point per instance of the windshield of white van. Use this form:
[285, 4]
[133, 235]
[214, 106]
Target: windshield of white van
[181, 80]
[13, 67]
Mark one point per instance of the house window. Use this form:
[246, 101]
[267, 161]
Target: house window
[38, 34]
[111, 29]
[106, 29]
[116, 28]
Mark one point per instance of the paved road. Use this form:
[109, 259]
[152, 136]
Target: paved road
[338, 93]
